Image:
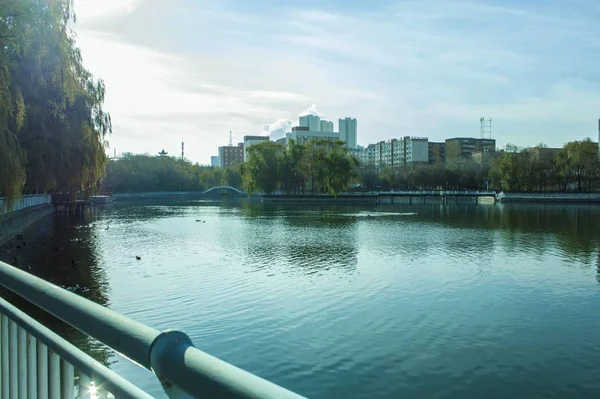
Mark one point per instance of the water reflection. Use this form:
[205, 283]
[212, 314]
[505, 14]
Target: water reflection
[339, 301]
[598, 266]
[61, 249]
[306, 239]
[573, 229]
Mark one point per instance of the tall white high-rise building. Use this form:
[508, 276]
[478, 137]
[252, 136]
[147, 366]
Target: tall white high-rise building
[312, 122]
[326, 126]
[347, 128]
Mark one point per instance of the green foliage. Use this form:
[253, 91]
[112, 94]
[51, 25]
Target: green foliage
[262, 168]
[144, 173]
[317, 166]
[231, 177]
[52, 126]
[575, 167]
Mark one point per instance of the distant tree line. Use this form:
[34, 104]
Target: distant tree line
[52, 125]
[323, 166]
[145, 173]
[317, 166]
[575, 167]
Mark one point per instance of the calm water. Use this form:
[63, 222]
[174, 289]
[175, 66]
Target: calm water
[412, 302]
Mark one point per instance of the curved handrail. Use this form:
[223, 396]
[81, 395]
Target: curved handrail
[171, 355]
[100, 374]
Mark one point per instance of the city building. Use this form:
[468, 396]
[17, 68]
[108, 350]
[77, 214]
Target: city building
[437, 152]
[357, 152]
[416, 150]
[301, 134]
[250, 141]
[312, 122]
[347, 131]
[163, 153]
[215, 161]
[395, 153]
[463, 147]
[326, 126]
[231, 155]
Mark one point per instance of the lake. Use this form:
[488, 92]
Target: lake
[333, 302]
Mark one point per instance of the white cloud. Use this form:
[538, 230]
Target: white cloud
[428, 68]
[278, 129]
[88, 10]
[312, 110]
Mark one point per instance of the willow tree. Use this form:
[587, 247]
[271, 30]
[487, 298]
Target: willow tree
[262, 168]
[341, 168]
[53, 129]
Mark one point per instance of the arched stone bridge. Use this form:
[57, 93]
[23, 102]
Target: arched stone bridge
[218, 189]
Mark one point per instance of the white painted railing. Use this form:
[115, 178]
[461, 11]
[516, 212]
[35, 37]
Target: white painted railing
[25, 202]
[35, 362]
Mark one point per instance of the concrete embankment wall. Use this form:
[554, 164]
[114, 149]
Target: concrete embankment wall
[486, 200]
[579, 198]
[156, 195]
[320, 199]
[435, 200]
[14, 223]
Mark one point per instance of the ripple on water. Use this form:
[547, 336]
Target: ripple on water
[414, 302]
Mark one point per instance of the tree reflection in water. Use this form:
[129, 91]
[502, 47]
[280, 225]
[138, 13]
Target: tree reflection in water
[60, 249]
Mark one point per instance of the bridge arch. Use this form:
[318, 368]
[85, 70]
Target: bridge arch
[217, 189]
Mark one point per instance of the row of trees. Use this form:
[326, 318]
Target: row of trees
[575, 167]
[52, 125]
[317, 166]
[321, 166]
[145, 173]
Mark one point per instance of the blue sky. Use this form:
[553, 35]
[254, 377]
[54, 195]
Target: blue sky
[197, 69]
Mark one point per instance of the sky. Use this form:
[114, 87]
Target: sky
[196, 69]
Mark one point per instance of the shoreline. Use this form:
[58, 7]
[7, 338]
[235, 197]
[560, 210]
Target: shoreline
[381, 198]
[16, 222]
[544, 198]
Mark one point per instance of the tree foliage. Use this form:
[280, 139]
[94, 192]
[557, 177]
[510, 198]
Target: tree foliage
[317, 166]
[144, 173]
[575, 167]
[53, 129]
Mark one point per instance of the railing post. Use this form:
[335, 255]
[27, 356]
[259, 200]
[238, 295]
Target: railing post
[42, 369]
[31, 366]
[13, 360]
[54, 376]
[22, 363]
[67, 380]
[5, 357]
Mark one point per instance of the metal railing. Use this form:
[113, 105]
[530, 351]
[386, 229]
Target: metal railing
[25, 202]
[437, 192]
[37, 363]
[48, 370]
